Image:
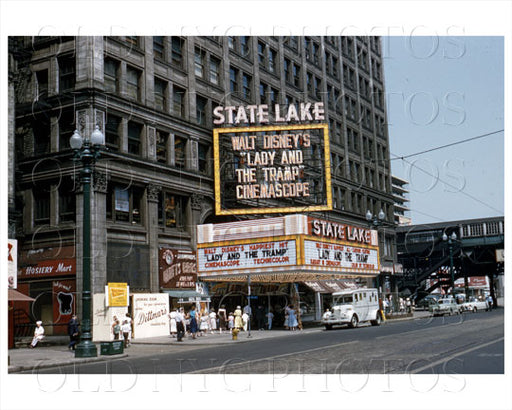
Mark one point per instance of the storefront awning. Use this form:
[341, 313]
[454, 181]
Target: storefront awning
[187, 295]
[330, 286]
[15, 296]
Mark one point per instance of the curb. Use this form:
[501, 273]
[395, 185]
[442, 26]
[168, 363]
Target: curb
[103, 358]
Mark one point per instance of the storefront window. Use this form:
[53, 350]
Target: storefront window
[172, 211]
[125, 205]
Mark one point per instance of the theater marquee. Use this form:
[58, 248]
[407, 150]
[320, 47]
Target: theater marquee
[272, 169]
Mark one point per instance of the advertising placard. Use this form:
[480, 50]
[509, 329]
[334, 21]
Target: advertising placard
[150, 312]
[49, 268]
[117, 294]
[285, 165]
[342, 257]
[250, 255]
[178, 269]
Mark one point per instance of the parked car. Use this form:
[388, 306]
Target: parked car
[424, 303]
[474, 305]
[445, 306]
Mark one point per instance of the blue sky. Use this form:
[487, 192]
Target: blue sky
[442, 90]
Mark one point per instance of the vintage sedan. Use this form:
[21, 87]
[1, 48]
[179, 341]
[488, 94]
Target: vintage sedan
[474, 305]
[444, 306]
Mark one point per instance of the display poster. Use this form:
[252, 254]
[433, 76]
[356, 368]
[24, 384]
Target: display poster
[122, 200]
[150, 314]
[246, 256]
[64, 302]
[49, 268]
[342, 257]
[117, 294]
[177, 268]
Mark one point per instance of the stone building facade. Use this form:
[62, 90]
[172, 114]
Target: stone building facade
[153, 99]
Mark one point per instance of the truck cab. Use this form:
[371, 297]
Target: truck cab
[353, 307]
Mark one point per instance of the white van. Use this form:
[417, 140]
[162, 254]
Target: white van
[353, 307]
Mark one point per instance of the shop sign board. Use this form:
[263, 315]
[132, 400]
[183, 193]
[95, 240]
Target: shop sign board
[341, 256]
[342, 232]
[150, 314]
[49, 268]
[64, 300]
[117, 294]
[178, 269]
[288, 165]
[12, 263]
[247, 256]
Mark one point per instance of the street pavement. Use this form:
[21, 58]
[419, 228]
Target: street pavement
[25, 359]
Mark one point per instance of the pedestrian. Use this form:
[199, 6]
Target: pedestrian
[270, 316]
[245, 320]
[73, 332]
[489, 301]
[286, 317]
[260, 317]
[172, 323]
[213, 321]
[222, 318]
[128, 318]
[204, 323]
[292, 319]
[231, 322]
[116, 329]
[238, 318]
[192, 315]
[180, 325]
[126, 329]
[38, 334]
[409, 305]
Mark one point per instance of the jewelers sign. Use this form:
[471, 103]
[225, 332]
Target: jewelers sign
[270, 169]
[246, 256]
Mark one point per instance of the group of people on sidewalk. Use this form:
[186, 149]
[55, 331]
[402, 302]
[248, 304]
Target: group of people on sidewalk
[73, 333]
[122, 329]
[194, 323]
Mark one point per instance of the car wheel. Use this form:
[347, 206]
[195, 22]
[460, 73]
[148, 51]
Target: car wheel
[474, 309]
[328, 327]
[377, 320]
[354, 321]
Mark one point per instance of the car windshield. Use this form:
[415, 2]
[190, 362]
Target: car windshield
[344, 300]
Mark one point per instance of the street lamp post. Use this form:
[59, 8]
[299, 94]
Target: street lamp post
[375, 221]
[451, 240]
[87, 151]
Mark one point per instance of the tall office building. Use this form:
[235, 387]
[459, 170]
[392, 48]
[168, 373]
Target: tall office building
[153, 98]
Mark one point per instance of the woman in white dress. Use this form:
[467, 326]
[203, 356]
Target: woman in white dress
[204, 323]
[172, 323]
[213, 321]
[38, 334]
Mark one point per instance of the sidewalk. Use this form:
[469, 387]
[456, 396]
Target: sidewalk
[55, 352]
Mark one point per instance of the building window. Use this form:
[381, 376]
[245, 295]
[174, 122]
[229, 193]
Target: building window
[246, 86]
[231, 43]
[214, 70]
[41, 207]
[199, 62]
[42, 83]
[125, 205]
[245, 49]
[261, 54]
[201, 107]
[292, 42]
[233, 80]
[274, 96]
[160, 94]
[66, 128]
[177, 51]
[132, 40]
[161, 146]
[158, 47]
[272, 60]
[178, 101]
[134, 138]
[112, 132]
[111, 76]
[67, 201]
[67, 76]
[172, 210]
[179, 152]
[133, 83]
[203, 154]
[41, 130]
[263, 93]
